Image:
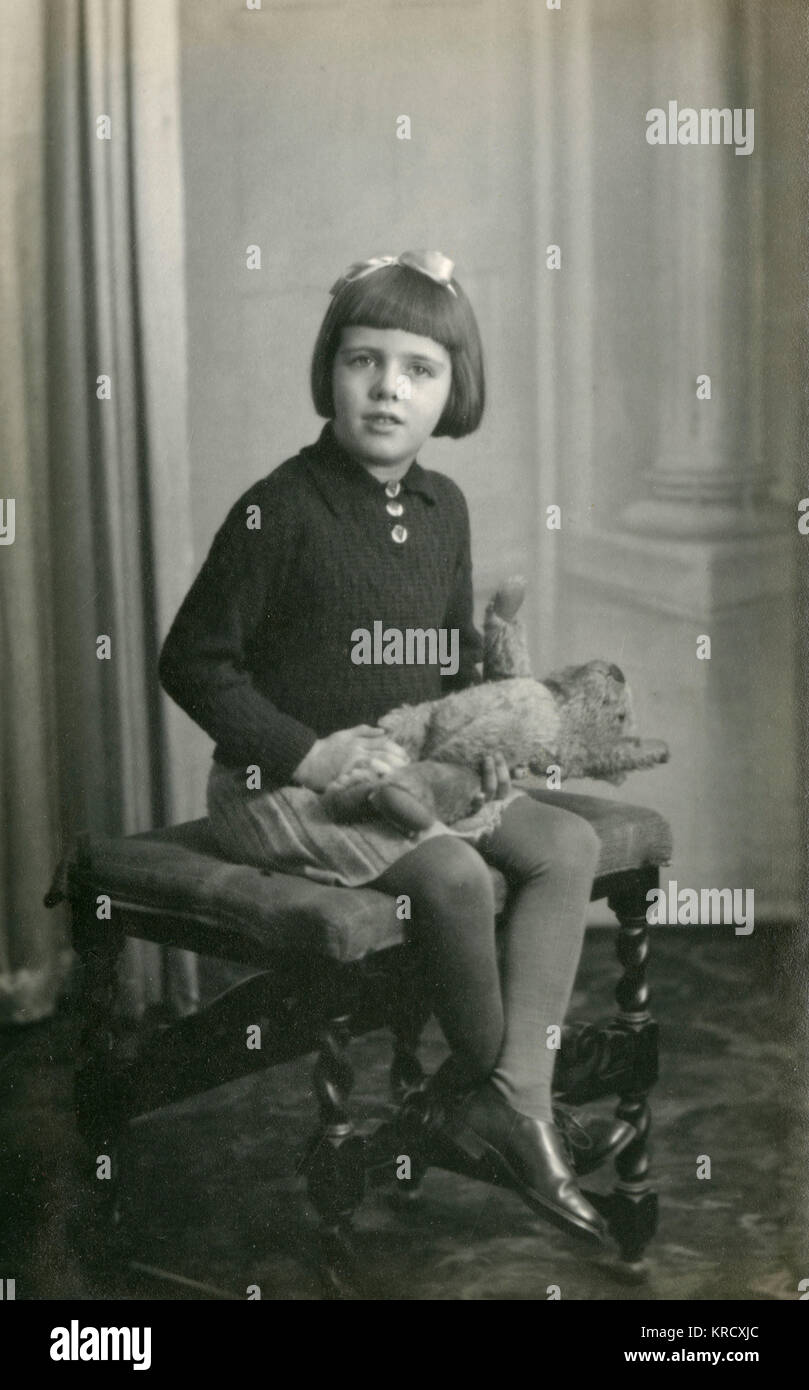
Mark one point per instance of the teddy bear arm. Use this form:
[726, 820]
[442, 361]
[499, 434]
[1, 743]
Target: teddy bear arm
[505, 649]
[625, 755]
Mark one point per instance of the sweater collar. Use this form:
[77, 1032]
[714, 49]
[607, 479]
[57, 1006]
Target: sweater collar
[341, 478]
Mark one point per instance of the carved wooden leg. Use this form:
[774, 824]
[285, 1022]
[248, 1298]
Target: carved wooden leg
[210, 1047]
[100, 1087]
[633, 1209]
[409, 1172]
[334, 1162]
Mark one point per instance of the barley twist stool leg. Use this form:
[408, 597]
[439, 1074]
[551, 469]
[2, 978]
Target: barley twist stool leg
[633, 1211]
[334, 1162]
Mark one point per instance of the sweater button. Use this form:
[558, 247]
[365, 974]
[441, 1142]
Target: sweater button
[399, 534]
[393, 489]
[394, 508]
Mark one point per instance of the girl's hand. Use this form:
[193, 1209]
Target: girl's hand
[362, 747]
[495, 780]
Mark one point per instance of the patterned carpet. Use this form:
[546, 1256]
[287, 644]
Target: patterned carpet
[214, 1197]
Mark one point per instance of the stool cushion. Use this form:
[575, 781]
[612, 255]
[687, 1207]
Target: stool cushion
[632, 837]
[173, 886]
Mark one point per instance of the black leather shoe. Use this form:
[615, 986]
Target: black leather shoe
[525, 1154]
[589, 1144]
[429, 1104]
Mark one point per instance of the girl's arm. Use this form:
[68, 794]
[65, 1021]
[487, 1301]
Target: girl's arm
[460, 614]
[203, 661]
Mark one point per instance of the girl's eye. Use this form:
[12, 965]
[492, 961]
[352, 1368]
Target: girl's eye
[362, 359]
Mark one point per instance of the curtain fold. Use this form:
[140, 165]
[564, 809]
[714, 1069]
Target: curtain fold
[97, 387]
[33, 947]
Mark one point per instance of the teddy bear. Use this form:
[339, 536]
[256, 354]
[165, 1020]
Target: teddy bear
[579, 720]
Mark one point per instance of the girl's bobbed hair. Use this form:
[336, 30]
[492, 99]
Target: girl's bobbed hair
[397, 296]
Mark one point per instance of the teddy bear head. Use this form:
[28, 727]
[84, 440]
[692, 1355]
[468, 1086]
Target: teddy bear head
[592, 728]
[596, 700]
[597, 728]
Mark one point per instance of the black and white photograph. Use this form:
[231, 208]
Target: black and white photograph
[404, 522]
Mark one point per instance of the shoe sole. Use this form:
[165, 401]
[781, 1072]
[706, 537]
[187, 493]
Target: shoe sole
[479, 1150]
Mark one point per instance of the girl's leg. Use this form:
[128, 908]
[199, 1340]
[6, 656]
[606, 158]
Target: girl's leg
[452, 922]
[552, 856]
[453, 911]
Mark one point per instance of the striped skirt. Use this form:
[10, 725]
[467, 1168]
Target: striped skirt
[287, 830]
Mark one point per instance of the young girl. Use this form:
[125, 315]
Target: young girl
[349, 532]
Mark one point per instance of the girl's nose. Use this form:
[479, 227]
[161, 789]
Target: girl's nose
[384, 387]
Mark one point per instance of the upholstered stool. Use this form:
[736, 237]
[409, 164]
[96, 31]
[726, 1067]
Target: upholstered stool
[333, 963]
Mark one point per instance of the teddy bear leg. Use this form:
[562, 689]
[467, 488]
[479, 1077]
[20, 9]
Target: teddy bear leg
[421, 793]
[348, 799]
[613, 763]
[406, 808]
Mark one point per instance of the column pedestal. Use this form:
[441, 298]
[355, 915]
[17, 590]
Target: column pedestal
[731, 789]
[694, 578]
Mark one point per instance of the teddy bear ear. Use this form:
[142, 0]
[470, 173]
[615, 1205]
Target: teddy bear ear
[617, 674]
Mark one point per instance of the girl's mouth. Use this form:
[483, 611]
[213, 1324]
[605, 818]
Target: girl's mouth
[382, 420]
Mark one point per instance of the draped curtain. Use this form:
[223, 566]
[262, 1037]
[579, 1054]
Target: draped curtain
[95, 455]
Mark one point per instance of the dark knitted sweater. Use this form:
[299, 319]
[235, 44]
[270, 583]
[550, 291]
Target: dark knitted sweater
[260, 651]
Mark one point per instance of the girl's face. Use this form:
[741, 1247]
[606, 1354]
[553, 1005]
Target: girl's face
[389, 390]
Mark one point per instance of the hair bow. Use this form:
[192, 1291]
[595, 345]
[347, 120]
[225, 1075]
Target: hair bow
[431, 263]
